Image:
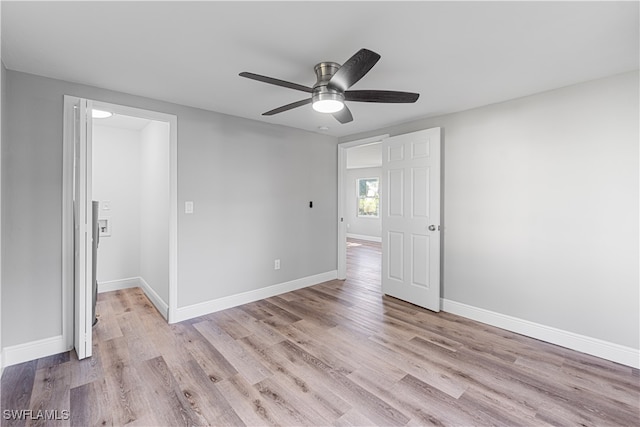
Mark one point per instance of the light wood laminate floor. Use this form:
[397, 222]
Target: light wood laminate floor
[338, 353]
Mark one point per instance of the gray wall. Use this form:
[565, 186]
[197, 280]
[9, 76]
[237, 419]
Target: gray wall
[541, 207]
[251, 184]
[116, 178]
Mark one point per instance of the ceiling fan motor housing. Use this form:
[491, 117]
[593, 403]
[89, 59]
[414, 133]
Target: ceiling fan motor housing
[321, 92]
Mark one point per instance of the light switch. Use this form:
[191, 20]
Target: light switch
[106, 205]
[188, 207]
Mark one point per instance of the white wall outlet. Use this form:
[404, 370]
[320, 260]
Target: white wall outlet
[188, 207]
[276, 264]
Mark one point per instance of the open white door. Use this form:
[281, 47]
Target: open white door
[410, 199]
[82, 226]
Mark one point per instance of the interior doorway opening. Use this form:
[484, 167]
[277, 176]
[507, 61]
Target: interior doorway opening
[135, 179]
[130, 183]
[359, 181]
[409, 209]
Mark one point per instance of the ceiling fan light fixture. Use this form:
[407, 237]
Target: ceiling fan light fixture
[328, 106]
[328, 102]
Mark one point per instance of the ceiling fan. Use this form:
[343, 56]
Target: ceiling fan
[330, 91]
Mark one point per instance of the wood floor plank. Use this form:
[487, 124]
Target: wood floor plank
[16, 390]
[51, 390]
[163, 396]
[243, 362]
[107, 326]
[302, 334]
[141, 346]
[254, 325]
[123, 382]
[353, 418]
[293, 410]
[248, 403]
[380, 411]
[90, 405]
[308, 387]
[203, 396]
[213, 363]
[233, 327]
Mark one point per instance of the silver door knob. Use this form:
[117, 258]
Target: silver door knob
[432, 227]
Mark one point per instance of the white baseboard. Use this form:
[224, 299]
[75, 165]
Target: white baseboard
[155, 299]
[363, 237]
[115, 285]
[33, 350]
[596, 347]
[207, 307]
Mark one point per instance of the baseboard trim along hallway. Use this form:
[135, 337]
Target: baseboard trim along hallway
[15, 354]
[208, 307]
[607, 350]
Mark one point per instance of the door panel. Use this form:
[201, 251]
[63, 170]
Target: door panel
[82, 218]
[396, 193]
[420, 268]
[411, 204]
[419, 187]
[395, 256]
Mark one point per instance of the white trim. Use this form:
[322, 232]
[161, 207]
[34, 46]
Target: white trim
[363, 237]
[116, 285]
[365, 141]
[34, 350]
[207, 307]
[155, 299]
[342, 225]
[173, 217]
[596, 347]
[67, 278]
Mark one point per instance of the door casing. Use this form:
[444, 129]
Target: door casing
[68, 322]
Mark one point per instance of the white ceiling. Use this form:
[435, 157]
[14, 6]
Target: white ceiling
[457, 55]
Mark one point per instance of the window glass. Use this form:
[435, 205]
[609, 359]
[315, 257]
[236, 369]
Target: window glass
[368, 197]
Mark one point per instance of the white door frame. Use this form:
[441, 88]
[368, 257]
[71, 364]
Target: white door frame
[342, 170]
[67, 208]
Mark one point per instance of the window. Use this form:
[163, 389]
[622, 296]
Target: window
[368, 197]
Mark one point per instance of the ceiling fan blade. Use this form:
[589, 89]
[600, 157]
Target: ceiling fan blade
[380, 96]
[276, 82]
[344, 115]
[353, 70]
[287, 107]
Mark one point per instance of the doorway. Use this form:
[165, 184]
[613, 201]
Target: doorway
[367, 162]
[409, 212]
[362, 219]
[126, 162]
